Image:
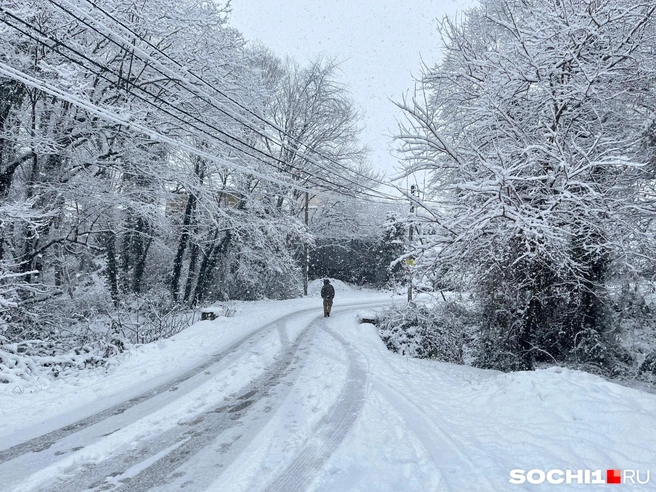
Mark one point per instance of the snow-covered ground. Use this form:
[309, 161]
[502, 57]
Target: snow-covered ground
[280, 398]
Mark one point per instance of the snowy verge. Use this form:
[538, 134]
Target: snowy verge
[135, 371]
[431, 425]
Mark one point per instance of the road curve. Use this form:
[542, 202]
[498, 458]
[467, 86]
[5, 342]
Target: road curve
[156, 461]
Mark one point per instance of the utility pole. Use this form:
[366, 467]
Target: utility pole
[306, 252]
[410, 261]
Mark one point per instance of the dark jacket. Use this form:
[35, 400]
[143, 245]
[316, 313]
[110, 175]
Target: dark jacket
[327, 291]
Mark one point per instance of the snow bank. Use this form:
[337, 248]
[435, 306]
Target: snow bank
[464, 428]
[28, 403]
[314, 287]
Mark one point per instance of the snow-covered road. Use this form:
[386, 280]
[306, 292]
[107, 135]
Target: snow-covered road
[279, 398]
[186, 431]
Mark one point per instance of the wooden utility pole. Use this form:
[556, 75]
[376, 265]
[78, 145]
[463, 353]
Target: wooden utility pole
[306, 252]
[409, 261]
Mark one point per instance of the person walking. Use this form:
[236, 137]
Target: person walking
[327, 293]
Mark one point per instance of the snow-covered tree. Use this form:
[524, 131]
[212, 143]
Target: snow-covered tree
[134, 165]
[532, 130]
[315, 137]
[356, 240]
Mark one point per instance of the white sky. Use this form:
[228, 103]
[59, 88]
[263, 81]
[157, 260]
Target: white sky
[381, 44]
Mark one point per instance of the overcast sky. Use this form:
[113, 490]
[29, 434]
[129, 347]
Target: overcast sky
[380, 43]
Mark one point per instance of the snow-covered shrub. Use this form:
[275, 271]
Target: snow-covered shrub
[147, 317]
[84, 330]
[632, 303]
[523, 328]
[55, 357]
[428, 332]
[634, 307]
[647, 371]
[599, 353]
[561, 332]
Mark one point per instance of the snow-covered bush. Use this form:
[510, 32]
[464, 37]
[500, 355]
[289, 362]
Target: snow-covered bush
[437, 332]
[600, 353]
[55, 357]
[647, 371]
[85, 330]
[147, 317]
[634, 305]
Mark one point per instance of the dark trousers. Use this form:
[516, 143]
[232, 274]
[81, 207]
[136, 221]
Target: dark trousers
[327, 304]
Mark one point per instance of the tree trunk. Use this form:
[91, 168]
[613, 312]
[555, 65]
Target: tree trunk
[188, 219]
[141, 244]
[524, 340]
[12, 94]
[191, 274]
[126, 251]
[208, 264]
[182, 245]
[112, 266]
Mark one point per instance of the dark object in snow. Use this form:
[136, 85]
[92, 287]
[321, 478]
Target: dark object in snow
[207, 315]
[367, 318]
[213, 312]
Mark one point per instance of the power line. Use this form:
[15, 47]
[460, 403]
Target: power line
[134, 85]
[104, 113]
[373, 193]
[234, 101]
[120, 78]
[228, 97]
[309, 175]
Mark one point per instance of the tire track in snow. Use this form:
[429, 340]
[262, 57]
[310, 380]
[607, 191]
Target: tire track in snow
[430, 433]
[155, 461]
[45, 441]
[332, 429]
[38, 450]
